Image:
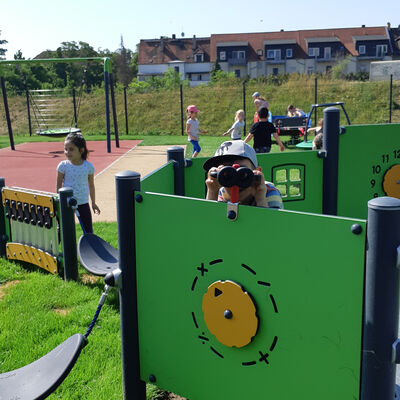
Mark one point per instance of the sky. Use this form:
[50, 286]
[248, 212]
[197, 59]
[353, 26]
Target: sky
[35, 26]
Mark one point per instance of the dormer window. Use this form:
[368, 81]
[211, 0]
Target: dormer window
[222, 55]
[361, 49]
[289, 53]
[274, 54]
[199, 57]
[313, 51]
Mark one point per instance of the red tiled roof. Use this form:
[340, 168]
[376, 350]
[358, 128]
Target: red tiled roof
[165, 50]
[256, 40]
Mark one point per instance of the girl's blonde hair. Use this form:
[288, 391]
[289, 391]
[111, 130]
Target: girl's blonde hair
[237, 114]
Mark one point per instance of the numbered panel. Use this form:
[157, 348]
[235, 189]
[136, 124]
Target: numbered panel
[369, 158]
[231, 310]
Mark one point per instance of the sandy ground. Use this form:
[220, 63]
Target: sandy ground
[142, 159]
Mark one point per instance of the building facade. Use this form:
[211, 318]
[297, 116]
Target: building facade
[270, 53]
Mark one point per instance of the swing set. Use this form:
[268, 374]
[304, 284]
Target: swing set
[44, 104]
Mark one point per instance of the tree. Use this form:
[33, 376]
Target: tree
[216, 67]
[2, 49]
[124, 69]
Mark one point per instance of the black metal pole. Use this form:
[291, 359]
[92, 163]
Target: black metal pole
[126, 111]
[315, 100]
[28, 108]
[10, 133]
[181, 101]
[244, 107]
[68, 233]
[126, 184]
[114, 111]
[176, 154]
[381, 306]
[330, 145]
[390, 98]
[74, 104]
[107, 103]
[3, 236]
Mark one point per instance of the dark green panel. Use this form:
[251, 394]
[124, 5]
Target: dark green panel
[308, 299]
[308, 163]
[366, 154]
[160, 181]
[195, 179]
[310, 169]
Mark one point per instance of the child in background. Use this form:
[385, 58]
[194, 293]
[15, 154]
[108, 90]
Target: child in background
[77, 173]
[259, 103]
[192, 129]
[237, 127]
[317, 142]
[261, 193]
[293, 111]
[261, 131]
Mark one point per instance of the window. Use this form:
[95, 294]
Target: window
[275, 71]
[274, 54]
[327, 53]
[361, 49]
[199, 57]
[222, 55]
[176, 69]
[237, 73]
[381, 50]
[289, 180]
[310, 70]
[259, 52]
[328, 69]
[313, 51]
[289, 53]
[238, 55]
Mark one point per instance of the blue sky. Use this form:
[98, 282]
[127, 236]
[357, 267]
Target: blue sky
[43, 24]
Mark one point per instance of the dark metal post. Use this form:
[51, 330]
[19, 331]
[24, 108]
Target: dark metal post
[331, 147]
[181, 101]
[126, 184]
[3, 236]
[74, 104]
[175, 154]
[107, 95]
[10, 133]
[114, 111]
[390, 98]
[381, 306]
[244, 108]
[315, 100]
[28, 108]
[68, 234]
[126, 111]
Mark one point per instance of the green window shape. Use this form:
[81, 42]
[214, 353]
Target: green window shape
[289, 180]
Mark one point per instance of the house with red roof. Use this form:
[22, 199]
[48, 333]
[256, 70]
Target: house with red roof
[268, 53]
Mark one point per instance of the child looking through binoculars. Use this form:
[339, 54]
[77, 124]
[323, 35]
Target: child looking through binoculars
[235, 164]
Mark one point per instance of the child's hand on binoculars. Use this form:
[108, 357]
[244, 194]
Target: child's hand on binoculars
[260, 189]
[212, 183]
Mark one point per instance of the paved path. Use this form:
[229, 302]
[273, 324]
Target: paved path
[142, 159]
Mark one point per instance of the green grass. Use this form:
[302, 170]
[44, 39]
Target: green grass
[208, 143]
[38, 311]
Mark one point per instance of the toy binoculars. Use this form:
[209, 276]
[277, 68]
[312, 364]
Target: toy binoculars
[242, 177]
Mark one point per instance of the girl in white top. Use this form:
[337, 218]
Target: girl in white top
[78, 173]
[193, 130]
[237, 128]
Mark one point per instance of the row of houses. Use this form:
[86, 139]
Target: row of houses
[256, 54]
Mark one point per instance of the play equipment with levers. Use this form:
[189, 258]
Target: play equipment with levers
[242, 316]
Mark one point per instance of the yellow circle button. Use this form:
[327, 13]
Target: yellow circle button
[230, 313]
[391, 182]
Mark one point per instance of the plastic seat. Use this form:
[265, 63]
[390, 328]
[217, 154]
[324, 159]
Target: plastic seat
[96, 255]
[40, 378]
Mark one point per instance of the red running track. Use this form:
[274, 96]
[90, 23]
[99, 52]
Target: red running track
[34, 165]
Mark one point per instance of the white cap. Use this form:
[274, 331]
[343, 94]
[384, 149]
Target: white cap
[231, 150]
[256, 94]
